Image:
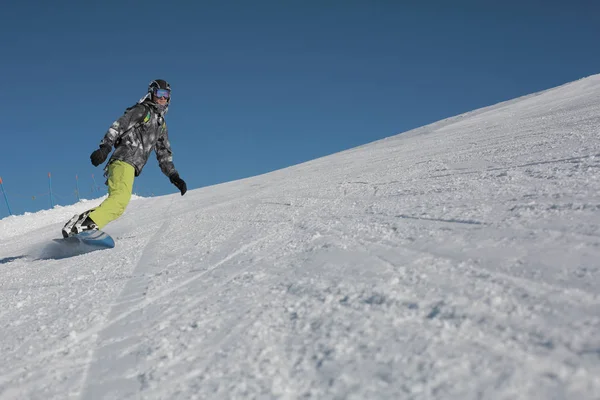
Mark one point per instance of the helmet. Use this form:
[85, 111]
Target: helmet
[159, 84]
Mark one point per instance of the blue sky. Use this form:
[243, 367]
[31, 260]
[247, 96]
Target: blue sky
[261, 85]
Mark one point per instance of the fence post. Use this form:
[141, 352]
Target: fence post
[95, 184]
[77, 187]
[5, 197]
[50, 185]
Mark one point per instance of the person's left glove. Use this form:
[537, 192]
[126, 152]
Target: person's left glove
[180, 183]
[99, 156]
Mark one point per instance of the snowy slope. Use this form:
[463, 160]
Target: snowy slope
[456, 261]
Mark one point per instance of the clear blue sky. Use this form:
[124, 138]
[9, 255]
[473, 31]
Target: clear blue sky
[261, 85]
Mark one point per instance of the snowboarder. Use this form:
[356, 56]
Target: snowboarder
[139, 131]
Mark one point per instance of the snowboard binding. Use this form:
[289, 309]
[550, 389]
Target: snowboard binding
[79, 223]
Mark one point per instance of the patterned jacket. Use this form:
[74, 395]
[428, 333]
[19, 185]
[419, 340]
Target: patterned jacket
[136, 133]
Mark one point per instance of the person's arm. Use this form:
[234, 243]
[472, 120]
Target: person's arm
[164, 155]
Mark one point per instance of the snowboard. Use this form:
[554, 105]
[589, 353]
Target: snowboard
[95, 239]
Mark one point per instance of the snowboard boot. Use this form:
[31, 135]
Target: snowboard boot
[78, 224]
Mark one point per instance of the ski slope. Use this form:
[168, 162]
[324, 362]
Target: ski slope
[456, 261]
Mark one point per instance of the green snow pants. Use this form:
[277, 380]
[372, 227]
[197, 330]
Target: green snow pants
[120, 187]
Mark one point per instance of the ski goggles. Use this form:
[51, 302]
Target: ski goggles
[162, 93]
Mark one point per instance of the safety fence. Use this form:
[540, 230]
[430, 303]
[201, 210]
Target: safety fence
[53, 197]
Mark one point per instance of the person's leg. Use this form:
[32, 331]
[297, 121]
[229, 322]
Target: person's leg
[120, 186]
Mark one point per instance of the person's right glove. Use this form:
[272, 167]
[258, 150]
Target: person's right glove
[177, 181]
[99, 156]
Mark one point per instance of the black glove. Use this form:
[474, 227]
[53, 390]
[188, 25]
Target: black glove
[180, 183]
[99, 156]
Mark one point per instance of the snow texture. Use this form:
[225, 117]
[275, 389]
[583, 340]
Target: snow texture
[459, 260]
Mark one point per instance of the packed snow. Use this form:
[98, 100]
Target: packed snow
[459, 260]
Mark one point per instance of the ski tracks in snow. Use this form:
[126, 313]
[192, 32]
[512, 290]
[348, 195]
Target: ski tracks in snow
[122, 342]
[113, 337]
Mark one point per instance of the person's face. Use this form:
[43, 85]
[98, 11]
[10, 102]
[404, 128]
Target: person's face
[160, 100]
[161, 96]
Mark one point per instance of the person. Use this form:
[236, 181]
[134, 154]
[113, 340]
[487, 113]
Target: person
[141, 129]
